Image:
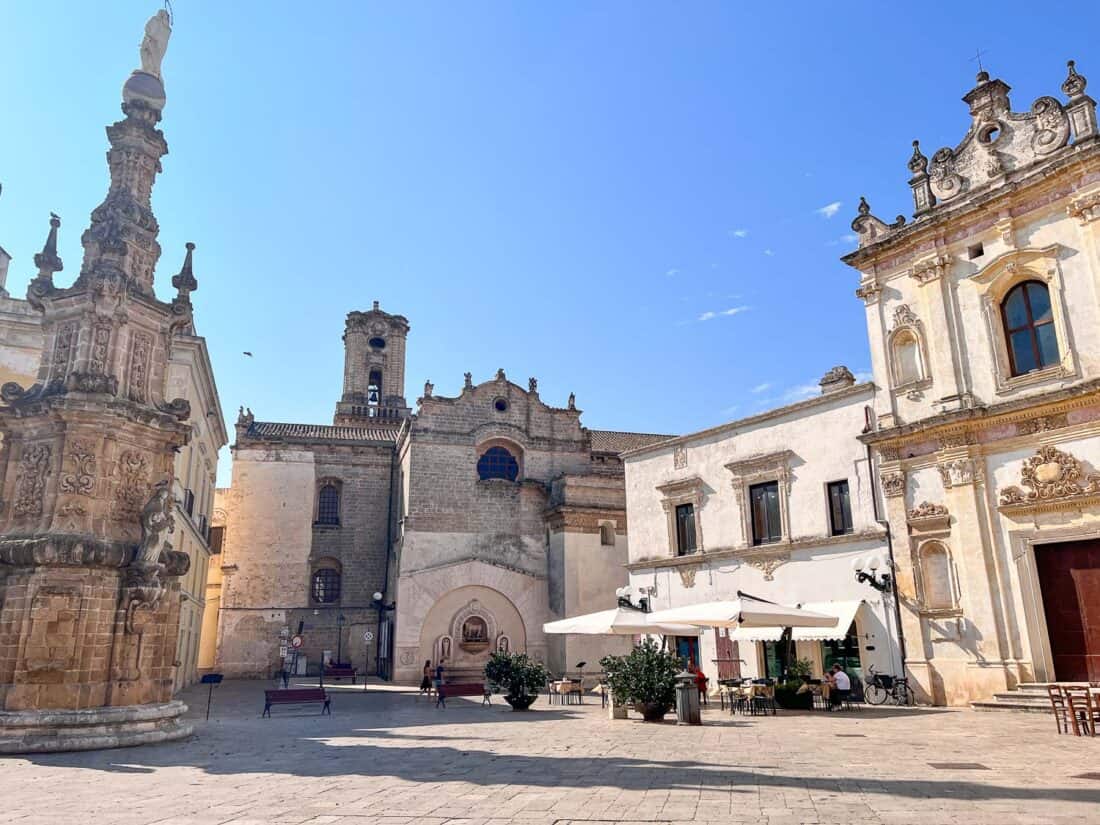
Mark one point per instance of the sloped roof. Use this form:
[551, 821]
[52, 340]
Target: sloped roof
[277, 430]
[611, 441]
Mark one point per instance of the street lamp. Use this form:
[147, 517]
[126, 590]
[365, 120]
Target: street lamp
[339, 638]
[881, 583]
[624, 599]
[382, 646]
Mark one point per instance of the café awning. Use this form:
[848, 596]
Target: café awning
[845, 613]
[619, 621]
[744, 612]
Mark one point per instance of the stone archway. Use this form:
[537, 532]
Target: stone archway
[473, 618]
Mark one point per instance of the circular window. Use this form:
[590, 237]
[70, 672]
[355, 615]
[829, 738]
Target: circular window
[377, 343]
[990, 133]
[500, 405]
[497, 462]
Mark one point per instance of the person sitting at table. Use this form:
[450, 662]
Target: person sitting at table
[840, 685]
[806, 686]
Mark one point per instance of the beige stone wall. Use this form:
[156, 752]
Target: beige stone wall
[20, 341]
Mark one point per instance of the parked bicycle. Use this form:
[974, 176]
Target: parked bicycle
[880, 687]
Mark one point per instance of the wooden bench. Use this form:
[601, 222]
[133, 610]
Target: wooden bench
[340, 672]
[449, 689]
[296, 696]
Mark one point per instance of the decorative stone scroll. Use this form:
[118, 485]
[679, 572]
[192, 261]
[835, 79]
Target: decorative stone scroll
[768, 563]
[687, 575]
[927, 516]
[893, 484]
[30, 484]
[1054, 480]
[81, 475]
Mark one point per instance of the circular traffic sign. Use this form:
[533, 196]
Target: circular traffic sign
[296, 642]
[368, 636]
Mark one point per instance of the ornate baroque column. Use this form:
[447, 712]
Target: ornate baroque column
[90, 605]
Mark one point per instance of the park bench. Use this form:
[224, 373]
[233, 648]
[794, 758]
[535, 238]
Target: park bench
[466, 689]
[296, 696]
[340, 672]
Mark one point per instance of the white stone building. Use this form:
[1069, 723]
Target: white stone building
[780, 506]
[984, 320]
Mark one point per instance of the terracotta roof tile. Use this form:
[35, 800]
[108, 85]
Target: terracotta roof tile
[610, 441]
[262, 430]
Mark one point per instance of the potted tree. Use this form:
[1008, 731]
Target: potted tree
[647, 677]
[518, 676]
[786, 692]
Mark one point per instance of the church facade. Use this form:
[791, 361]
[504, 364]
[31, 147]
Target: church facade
[394, 537]
[984, 321]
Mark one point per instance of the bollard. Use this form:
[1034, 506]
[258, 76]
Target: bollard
[687, 700]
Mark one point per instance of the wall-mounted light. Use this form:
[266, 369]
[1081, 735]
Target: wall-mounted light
[866, 571]
[624, 597]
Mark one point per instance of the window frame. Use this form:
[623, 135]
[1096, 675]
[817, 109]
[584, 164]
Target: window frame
[319, 519]
[1031, 327]
[771, 531]
[675, 493]
[849, 527]
[748, 472]
[333, 574]
[685, 529]
[490, 455]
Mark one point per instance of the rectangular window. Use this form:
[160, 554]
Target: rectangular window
[840, 508]
[685, 529]
[217, 534]
[766, 523]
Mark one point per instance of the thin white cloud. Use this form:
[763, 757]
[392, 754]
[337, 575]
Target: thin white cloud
[672, 272]
[710, 315]
[769, 253]
[863, 375]
[730, 410]
[801, 392]
[739, 233]
[849, 238]
[829, 209]
[759, 388]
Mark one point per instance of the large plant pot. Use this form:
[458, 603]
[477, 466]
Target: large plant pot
[615, 711]
[792, 700]
[652, 711]
[520, 702]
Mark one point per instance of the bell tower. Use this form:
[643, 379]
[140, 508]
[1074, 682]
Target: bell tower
[374, 368]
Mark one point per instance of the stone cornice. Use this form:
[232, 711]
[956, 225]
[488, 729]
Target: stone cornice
[1079, 159]
[748, 554]
[960, 423]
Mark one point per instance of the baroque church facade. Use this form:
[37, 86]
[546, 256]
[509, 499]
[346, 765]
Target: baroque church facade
[983, 315]
[393, 537]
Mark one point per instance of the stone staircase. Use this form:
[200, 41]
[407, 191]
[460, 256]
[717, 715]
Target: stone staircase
[1030, 697]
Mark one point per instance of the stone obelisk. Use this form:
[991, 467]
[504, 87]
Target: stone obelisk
[89, 604]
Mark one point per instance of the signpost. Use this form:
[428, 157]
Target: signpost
[210, 679]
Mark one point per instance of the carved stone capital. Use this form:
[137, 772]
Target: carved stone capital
[893, 484]
[1085, 208]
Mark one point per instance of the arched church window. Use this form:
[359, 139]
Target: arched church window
[935, 568]
[374, 387]
[325, 588]
[1029, 327]
[497, 462]
[908, 368]
[607, 535]
[328, 505]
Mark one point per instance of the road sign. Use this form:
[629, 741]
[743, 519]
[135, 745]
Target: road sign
[283, 652]
[368, 636]
[296, 642]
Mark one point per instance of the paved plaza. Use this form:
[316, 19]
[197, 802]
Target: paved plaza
[383, 758]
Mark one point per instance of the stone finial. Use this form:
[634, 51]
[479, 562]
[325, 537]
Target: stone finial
[375, 307]
[864, 208]
[532, 385]
[1074, 84]
[572, 401]
[500, 375]
[47, 260]
[918, 163]
[185, 282]
[836, 379]
[468, 379]
[988, 100]
[429, 387]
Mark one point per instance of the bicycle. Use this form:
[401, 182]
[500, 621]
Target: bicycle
[880, 687]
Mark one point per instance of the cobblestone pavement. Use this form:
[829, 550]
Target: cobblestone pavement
[383, 758]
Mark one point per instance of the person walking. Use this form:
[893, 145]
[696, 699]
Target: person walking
[425, 680]
[440, 699]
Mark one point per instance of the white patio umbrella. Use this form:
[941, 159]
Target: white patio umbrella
[744, 611]
[620, 621]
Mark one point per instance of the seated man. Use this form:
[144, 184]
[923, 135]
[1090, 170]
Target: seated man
[841, 684]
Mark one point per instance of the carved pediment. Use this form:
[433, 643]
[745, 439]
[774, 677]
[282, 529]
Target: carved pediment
[1050, 479]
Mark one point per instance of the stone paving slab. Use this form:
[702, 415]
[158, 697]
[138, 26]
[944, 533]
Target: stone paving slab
[384, 758]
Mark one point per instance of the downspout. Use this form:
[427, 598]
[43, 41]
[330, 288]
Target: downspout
[890, 552]
[386, 574]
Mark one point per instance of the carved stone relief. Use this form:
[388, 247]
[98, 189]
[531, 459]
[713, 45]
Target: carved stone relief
[679, 458]
[139, 367]
[30, 484]
[1051, 476]
[769, 564]
[893, 484]
[687, 576]
[133, 484]
[80, 474]
[959, 472]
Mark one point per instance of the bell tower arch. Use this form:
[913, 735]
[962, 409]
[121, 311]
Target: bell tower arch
[374, 368]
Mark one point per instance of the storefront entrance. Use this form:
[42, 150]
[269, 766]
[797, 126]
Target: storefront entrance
[844, 652]
[1069, 579]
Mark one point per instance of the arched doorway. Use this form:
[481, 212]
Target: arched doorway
[465, 625]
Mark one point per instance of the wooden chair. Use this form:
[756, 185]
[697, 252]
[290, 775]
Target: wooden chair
[1083, 714]
[1058, 705]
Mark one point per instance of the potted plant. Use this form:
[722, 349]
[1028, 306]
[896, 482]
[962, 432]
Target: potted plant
[647, 677]
[521, 678]
[617, 687]
[786, 692]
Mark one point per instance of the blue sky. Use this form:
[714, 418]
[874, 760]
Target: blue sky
[642, 203]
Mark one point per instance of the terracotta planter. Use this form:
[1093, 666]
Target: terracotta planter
[616, 711]
[520, 702]
[651, 711]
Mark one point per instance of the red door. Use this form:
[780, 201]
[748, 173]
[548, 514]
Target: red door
[1069, 578]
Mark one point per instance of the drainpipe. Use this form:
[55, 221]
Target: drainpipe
[386, 576]
[890, 551]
